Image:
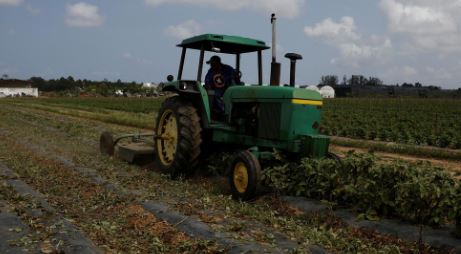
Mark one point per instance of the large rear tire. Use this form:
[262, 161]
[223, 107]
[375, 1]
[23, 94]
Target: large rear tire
[177, 145]
[244, 176]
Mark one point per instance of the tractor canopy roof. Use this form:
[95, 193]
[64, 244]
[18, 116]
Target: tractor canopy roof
[225, 43]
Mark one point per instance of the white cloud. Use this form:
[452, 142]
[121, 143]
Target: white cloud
[342, 31]
[428, 37]
[83, 15]
[286, 8]
[417, 19]
[353, 48]
[363, 50]
[430, 25]
[10, 2]
[184, 30]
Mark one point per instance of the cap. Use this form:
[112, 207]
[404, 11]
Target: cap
[216, 59]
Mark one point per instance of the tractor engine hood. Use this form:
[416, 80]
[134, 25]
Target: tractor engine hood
[264, 93]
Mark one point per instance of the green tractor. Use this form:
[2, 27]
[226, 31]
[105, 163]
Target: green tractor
[258, 119]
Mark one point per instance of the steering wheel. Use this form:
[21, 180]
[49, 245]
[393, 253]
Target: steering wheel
[238, 78]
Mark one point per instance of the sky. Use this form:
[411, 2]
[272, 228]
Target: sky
[395, 40]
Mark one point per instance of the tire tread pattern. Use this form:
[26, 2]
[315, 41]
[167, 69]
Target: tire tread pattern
[189, 137]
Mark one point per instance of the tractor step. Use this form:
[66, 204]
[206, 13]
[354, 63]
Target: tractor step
[135, 152]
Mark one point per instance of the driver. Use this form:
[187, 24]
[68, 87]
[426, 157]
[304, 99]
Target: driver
[219, 77]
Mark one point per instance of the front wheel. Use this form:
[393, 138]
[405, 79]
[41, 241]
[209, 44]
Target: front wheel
[244, 175]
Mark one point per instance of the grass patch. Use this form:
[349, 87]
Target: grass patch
[140, 120]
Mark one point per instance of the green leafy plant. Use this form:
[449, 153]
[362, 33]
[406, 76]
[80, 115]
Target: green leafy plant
[416, 192]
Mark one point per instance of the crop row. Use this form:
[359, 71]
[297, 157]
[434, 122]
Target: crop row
[134, 105]
[409, 121]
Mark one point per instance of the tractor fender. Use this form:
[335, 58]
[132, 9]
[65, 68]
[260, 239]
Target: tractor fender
[196, 95]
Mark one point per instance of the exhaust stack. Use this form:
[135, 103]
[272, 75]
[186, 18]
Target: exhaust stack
[275, 67]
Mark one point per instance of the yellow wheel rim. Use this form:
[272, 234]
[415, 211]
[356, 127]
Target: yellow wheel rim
[240, 177]
[167, 132]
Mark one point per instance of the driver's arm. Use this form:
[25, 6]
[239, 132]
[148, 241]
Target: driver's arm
[208, 80]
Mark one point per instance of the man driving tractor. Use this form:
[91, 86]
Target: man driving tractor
[219, 77]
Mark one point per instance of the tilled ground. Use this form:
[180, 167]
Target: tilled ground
[58, 194]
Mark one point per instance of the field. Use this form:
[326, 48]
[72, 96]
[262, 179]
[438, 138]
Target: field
[55, 181]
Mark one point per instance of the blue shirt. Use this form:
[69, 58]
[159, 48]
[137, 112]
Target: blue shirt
[220, 80]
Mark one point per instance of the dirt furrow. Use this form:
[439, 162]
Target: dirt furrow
[112, 222]
[15, 235]
[62, 236]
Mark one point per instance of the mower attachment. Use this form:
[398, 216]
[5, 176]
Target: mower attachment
[139, 149]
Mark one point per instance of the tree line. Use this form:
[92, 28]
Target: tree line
[360, 80]
[73, 86]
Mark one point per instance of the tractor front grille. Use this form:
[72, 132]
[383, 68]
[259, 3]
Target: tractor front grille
[269, 120]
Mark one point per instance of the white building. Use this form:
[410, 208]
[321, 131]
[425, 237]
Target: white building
[149, 85]
[16, 92]
[16, 88]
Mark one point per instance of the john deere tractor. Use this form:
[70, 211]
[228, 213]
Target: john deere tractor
[258, 119]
